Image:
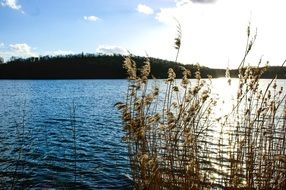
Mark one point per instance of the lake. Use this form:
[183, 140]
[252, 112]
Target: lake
[66, 133]
[37, 118]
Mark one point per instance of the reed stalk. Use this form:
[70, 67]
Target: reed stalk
[174, 147]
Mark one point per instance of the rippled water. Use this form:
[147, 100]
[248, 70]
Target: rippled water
[39, 147]
[65, 134]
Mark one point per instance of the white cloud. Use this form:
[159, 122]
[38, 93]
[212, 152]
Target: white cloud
[17, 50]
[22, 50]
[214, 33]
[11, 3]
[141, 8]
[61, 52]
[91, 18]
[181, 2]
[109, 50]
[203, 1]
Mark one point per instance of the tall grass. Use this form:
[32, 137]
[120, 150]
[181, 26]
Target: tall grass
[74, 137]
[169, 129]
[14, 168]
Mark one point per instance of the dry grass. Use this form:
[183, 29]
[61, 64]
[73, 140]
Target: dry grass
[169, 130]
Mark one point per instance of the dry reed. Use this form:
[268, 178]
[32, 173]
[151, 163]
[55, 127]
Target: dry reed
[169, 130]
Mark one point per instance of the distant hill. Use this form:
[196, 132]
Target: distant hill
[91, 66]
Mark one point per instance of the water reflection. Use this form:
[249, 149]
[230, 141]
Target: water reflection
[37, 137]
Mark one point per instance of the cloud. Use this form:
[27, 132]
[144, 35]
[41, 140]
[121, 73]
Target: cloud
[183, 2]
[214, 34]
[61, 52]
[141, 8]
[22, 50]
[12, 4]
[110, 50]
[91, 18]
[203, 1]
[17, 50]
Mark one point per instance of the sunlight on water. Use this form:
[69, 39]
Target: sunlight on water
[41, 112]
[225, 94]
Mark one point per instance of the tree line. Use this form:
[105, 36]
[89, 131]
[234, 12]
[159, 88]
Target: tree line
[99, 66]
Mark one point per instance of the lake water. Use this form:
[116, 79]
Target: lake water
[65, 133]
[37, 118]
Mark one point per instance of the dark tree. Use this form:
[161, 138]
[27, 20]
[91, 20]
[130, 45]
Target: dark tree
[99, 66]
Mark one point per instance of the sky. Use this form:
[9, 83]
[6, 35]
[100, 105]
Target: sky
[213, 31]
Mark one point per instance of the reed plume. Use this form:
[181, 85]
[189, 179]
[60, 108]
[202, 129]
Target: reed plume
[169, 129]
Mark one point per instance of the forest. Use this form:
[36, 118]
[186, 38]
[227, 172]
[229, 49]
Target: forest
[99, 66]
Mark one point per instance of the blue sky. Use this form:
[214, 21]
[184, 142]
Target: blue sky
[213, 30]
